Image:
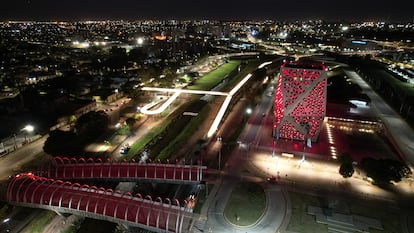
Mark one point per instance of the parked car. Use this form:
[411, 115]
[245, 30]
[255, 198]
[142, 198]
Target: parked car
[124, 150]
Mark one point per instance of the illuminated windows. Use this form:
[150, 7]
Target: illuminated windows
[300, 101]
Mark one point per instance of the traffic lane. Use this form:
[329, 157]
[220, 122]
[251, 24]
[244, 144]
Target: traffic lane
[11, 163]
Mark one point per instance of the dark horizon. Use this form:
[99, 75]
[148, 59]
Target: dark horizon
[71, 10]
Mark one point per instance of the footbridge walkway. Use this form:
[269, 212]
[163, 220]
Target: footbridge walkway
[51, 190]
[33, 191]
[79, 169]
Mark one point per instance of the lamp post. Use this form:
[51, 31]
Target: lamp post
[15, 142]
[275, 139]
[306, 127]
[28, 129]
[219, 139]
[248, 112]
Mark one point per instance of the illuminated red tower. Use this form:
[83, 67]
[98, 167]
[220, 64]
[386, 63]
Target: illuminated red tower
[300, 101]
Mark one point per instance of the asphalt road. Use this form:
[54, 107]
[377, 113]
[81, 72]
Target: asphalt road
[11, 163]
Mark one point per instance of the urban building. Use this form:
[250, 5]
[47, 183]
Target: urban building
[300, 101]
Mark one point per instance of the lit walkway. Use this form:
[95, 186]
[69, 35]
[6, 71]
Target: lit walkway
[80, 169]
[105, 204]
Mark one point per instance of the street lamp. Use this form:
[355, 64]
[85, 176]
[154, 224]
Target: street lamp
[275, 139]
[28, 129]
[248, 112]
[219, 139]
[306, 127]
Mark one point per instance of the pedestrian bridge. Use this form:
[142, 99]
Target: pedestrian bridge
[156, 215]
[79, 169]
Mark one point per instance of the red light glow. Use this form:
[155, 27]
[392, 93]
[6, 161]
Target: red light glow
[300, 101]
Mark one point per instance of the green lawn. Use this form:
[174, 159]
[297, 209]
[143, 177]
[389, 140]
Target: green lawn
[213, 78]
[40, 222]
[246, 205]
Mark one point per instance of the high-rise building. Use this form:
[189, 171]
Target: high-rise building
[300, 101]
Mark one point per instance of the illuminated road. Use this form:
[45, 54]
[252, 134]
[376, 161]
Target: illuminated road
[12, 162]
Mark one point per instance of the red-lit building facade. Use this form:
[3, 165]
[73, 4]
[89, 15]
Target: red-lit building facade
[300, 101]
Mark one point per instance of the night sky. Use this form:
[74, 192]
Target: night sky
[333, 10]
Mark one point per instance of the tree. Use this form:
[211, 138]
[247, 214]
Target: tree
[132, 89]
[92, 124]
[72, 119]
[130, 121]
[123, 130]
[62, 143]
[382, 171]
[169, 75]
[346, 170]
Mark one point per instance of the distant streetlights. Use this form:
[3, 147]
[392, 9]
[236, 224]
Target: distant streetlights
[140, 41]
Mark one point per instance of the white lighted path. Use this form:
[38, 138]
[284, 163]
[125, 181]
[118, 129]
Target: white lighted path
[177, 92]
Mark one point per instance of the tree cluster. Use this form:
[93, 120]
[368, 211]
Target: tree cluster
[88, 128]
[383, 171]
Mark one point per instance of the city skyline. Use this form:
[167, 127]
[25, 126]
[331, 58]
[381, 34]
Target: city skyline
[187, 119]
[218, 10]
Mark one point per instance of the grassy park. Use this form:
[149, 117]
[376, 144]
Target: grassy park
[213, 78]
[246, 205]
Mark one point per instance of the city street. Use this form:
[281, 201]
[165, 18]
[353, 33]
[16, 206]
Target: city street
[11, 163]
